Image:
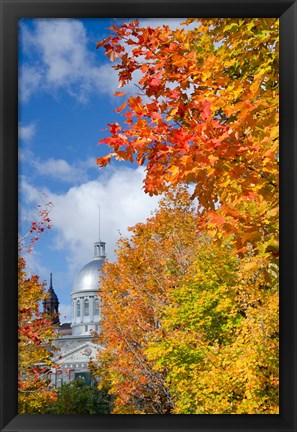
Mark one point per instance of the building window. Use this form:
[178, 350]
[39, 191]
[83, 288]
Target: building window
[96, 307]
[86, 328]
[78, 308]
[96, 327]
[87, 309]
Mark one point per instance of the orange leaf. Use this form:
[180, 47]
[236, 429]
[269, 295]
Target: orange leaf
[118, 93]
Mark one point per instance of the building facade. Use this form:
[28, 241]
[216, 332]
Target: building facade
[75, 347]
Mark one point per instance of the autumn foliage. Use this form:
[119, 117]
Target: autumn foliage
[220, 344]
[185, 328]
[35, 331]
[134, 292]
[200, 335]
[206, 113]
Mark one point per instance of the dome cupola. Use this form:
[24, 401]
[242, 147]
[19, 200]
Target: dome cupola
[88, 277]
[85, 300]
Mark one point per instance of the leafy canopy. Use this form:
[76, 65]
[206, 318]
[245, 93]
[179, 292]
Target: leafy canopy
[206, 112]
[203, 337]
[35, 331]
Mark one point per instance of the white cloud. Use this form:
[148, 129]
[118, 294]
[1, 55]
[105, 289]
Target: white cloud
[30, 193]
[30, 80]
[75, 214]
[58, 169]
[90, 162]
[59, 59]
[26, 133]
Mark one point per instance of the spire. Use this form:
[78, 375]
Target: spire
[99, 223]
[51, 303]
[99, 246]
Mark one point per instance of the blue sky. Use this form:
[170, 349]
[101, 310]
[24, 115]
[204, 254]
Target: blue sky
[65, 102]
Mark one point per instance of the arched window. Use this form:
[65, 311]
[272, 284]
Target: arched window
[96, 307]
[86, 308]
[78, 308]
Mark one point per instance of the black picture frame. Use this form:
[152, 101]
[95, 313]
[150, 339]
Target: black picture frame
[11, 10]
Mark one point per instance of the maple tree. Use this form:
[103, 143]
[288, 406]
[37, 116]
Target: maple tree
[133, 293]
[188, 327]
[35, 331]
[207, 114]
[220, 338]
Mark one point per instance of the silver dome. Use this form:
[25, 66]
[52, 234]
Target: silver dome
[88, 278]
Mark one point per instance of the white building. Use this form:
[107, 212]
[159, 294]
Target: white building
[75, 346]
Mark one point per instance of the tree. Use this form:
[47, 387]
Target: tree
[187, 326]
[207, 114]
[219, 344]
[133, 292]
[79, 398]
[35, 332]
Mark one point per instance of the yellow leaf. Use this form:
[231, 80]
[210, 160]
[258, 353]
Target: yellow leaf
[250, 266]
